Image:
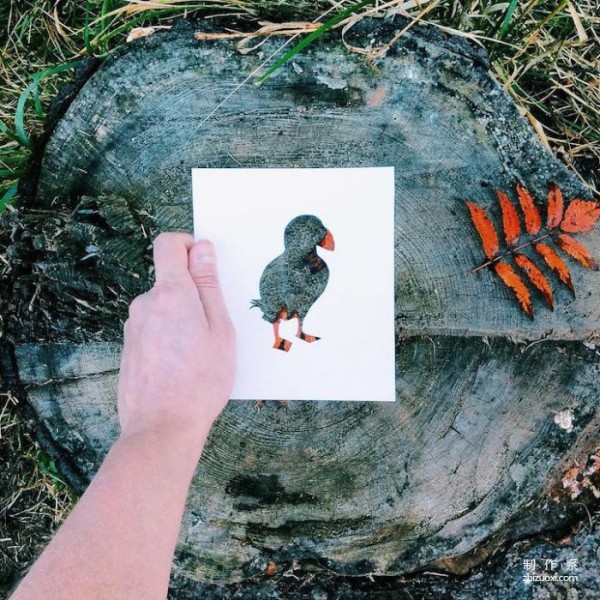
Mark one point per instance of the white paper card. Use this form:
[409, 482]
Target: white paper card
[245, 213]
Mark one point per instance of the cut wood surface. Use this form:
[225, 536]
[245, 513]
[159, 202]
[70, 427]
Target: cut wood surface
[470, 454]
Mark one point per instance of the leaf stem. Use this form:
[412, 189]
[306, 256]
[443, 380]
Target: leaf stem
[491, 261]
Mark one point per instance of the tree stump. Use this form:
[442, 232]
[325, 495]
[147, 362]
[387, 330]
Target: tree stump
[469, 455]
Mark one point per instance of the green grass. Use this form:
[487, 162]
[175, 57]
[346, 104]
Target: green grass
[544, 52]
[33, 498]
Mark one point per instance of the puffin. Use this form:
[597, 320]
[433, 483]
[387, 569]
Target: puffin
[292, 282]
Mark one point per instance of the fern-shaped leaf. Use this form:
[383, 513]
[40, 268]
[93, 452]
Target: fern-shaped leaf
[510, 278]
[524, 228]
[555, 207]
[556, 263]
[533, 221]
[486, 230]
[581, 215]
[579, 252]
[537, 278]
[510, 219]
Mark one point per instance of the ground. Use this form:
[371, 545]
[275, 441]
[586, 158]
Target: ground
[545, 55]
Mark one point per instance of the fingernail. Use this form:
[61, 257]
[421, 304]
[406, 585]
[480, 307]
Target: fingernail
[205, 252]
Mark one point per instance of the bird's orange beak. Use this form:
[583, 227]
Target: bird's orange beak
[327, 242]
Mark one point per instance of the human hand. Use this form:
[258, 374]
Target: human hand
[178, 358]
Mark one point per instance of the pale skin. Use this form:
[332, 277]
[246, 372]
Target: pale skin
[176, 375]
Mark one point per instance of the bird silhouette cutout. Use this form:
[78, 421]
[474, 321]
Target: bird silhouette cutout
[292, 283]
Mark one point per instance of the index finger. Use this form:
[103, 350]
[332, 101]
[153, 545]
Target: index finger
[171, 257]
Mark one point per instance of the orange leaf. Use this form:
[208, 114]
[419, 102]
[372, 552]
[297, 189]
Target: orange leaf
[555, 207]
[556, 263]
[485, 229]
[515, 283]
[533, 221]
[537, 278]
[510, 219]
[580, 253]
[581, 215]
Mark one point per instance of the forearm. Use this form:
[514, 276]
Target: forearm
[176, 375]
[119, 540]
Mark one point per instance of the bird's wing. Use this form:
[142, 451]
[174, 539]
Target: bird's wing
[304, 288]
[273, 287]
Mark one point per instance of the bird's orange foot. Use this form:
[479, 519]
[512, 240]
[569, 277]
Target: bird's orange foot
[307, 338]
[281, 344]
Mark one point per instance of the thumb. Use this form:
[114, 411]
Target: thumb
[202, 265]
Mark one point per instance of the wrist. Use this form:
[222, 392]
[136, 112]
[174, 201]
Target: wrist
[184, 437]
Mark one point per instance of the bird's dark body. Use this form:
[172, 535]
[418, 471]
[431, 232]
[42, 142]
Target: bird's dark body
[292, 282]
